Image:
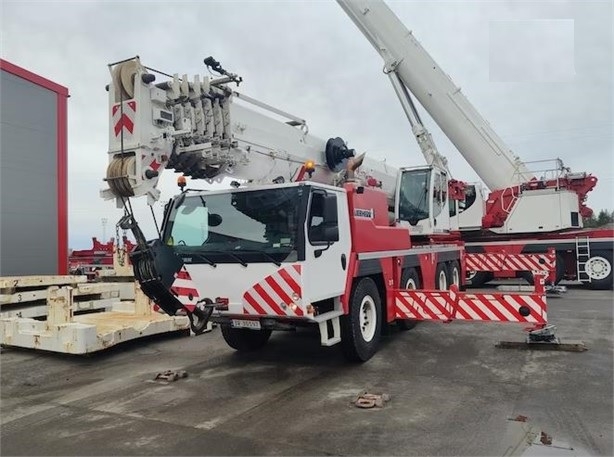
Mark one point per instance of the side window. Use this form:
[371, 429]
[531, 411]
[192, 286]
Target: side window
[437, 194]
[316, 218]
[470, 196]
[317, 223]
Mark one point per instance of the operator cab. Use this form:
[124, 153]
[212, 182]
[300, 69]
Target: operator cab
[472, 208]
[422, 200]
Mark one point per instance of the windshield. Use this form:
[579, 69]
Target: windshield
[413, 198]
[244, 227]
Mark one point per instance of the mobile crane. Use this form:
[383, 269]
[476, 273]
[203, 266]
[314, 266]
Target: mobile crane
[309, 233]
[522, 213]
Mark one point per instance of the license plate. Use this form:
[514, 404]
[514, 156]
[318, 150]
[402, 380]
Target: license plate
[238, 323]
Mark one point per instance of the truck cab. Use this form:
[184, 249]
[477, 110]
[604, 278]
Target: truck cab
[265, 257]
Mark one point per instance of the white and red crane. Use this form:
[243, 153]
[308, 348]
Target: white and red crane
[308, 234]
[523, 213]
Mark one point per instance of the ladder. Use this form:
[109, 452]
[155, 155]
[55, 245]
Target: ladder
[583, 253]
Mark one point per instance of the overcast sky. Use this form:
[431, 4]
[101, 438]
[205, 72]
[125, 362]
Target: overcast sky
[539, 71]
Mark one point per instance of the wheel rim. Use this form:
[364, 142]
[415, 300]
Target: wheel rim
[411, 284]
[443, 284]
[367, 318]
[471, 274]
[598, 268]
[455, 276]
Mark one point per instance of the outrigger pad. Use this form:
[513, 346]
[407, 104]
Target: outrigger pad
[544, 338]
[565, 345]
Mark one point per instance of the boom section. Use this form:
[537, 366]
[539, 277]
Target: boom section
[484, 150]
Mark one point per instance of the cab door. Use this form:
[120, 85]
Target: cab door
[327, 244]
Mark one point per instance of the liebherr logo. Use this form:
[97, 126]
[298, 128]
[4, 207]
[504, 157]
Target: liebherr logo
[367, 213]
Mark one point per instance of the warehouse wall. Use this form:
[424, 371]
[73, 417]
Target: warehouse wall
[33, 215]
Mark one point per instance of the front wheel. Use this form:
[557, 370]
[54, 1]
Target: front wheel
[361, 328]
[599, 269]
[245, 340]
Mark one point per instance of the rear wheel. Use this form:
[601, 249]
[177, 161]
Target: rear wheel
[599, 269]
[441, 277]
[243, 339]
[361, 328]
[479, 278]
[409, 280]
[454, 273]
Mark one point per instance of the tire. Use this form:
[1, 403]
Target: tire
[361, 328]
[454, 273]
[527, 276]
[599, 268]
[479, 278]
[409, 280]
[245, 340]
[442, 279]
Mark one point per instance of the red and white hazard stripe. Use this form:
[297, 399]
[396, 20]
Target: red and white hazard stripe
[429, 305]
[124, 119]
[184, 289]
[452, 305]
[497, 261]
[279, 294]
[502, 308]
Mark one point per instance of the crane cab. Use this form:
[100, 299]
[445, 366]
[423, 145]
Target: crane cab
[421, 201]
[472, 208]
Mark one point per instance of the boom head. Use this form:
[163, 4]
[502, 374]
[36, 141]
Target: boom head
[152, 125]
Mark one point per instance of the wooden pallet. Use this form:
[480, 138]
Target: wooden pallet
[25, 282]
[64, 332]
[27, 296]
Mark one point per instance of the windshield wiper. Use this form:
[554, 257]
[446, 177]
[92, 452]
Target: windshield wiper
[206, 259]
[231, 254]
[264, 253]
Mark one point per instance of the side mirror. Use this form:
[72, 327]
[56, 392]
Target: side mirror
[330, 233]
[214, 220]
[328, 230]
[329, 210]
[180, 200]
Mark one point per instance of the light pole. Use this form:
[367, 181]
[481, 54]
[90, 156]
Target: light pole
[104, 229]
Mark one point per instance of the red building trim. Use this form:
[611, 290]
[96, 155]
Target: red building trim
[62, 154]
[62, 164]
[33, 78]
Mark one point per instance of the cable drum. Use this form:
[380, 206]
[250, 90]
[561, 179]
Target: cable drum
[119, 171]
[123, 79]
[146, 269]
